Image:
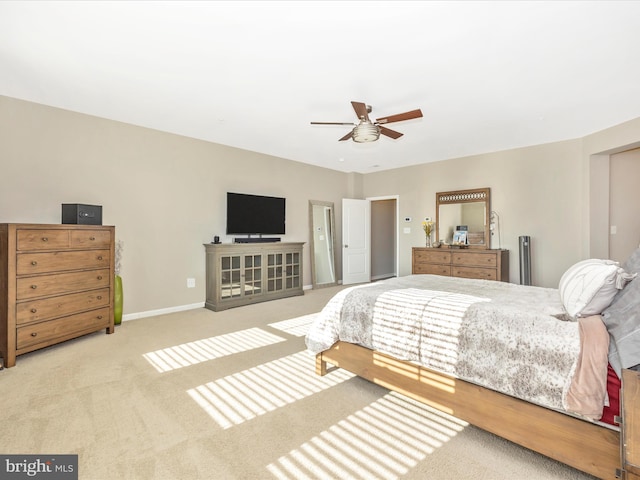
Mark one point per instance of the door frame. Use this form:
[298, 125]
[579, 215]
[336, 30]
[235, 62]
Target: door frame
[397, 225]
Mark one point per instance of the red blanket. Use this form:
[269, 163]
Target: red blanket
[613, 389]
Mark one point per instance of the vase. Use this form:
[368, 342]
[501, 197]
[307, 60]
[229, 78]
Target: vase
[428, 243]
[117, 301]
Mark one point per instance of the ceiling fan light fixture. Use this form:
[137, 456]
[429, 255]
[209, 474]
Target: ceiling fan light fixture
[365, 132]
[368, 131]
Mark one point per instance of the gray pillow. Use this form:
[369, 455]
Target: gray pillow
[632, 265]
[622, 319]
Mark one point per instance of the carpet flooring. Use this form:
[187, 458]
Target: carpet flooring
[233, 395]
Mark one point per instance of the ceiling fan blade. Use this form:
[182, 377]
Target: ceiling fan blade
[390, 133]
[347, 136]
[332, 123]
[361, 110]
[401, 116]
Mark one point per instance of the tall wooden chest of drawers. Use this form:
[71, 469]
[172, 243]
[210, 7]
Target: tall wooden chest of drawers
[56, 283]
[469, 263]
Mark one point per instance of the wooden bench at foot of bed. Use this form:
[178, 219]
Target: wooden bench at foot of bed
[586, 446]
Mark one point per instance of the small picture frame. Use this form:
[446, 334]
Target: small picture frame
[460, 237]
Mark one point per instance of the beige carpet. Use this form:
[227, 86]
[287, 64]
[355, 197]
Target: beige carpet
[233, 395]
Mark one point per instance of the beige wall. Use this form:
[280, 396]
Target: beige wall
[533, 190]
[557, 193]
[166, 194]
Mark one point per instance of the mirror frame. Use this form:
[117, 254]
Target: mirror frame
[314, 283]
[476, 195]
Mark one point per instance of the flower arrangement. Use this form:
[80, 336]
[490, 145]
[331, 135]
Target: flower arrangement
[427, 226]
[118, 261]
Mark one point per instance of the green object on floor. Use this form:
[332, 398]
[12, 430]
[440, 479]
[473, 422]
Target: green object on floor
[117, 304]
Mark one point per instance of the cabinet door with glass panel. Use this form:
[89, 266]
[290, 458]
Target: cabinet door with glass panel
[283, 271]
[240, 276]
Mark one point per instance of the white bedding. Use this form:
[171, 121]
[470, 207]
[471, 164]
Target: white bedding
[506, 337]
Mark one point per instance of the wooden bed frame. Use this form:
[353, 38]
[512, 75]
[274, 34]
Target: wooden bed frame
[586, 446]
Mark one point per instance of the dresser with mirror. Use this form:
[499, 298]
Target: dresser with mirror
[463, 239]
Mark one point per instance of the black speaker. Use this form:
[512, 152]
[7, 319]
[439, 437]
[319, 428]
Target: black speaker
[525, 260]
[256, 239]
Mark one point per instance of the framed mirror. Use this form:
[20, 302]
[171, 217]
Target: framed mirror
[464, 214]
[322, 240]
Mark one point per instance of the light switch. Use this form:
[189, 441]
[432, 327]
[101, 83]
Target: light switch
[406, 229]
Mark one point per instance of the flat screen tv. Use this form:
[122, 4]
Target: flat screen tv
[255, 214]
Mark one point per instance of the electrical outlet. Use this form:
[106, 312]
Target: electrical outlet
[191, 282]
[407, 219]
[427, 219]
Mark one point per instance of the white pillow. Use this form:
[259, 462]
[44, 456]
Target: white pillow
[588, 287]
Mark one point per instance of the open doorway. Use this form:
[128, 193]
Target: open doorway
[624, 197]
[384, 237]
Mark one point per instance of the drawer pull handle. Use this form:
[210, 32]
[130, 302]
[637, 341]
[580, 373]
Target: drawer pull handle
[100, 257]
[99, 317]
[34, 287]
[99, 277]
[99, 297]
[45, 239]
[34, 263]
[34, 310]
[92, 238]
[34, 334]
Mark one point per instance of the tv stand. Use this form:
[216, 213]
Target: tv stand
[242, 274]
[256, 239]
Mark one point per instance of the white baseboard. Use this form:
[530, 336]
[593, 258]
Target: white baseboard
[379, 277]
[310, 287]
[181, 308]
[161, 311]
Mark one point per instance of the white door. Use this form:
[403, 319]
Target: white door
[356, 241]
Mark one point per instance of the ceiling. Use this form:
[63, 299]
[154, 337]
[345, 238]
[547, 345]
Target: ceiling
[488, 76]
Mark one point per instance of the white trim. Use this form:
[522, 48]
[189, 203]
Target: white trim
[381, 277]
[181, 308]
[397, 252]
[161, 311]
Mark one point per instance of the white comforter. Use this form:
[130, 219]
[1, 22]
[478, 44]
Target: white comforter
[510, 338]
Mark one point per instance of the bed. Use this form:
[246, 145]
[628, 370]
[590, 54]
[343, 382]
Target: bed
[533, 365]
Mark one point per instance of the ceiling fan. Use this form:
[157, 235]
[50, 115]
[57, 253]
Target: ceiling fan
[368, 131]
